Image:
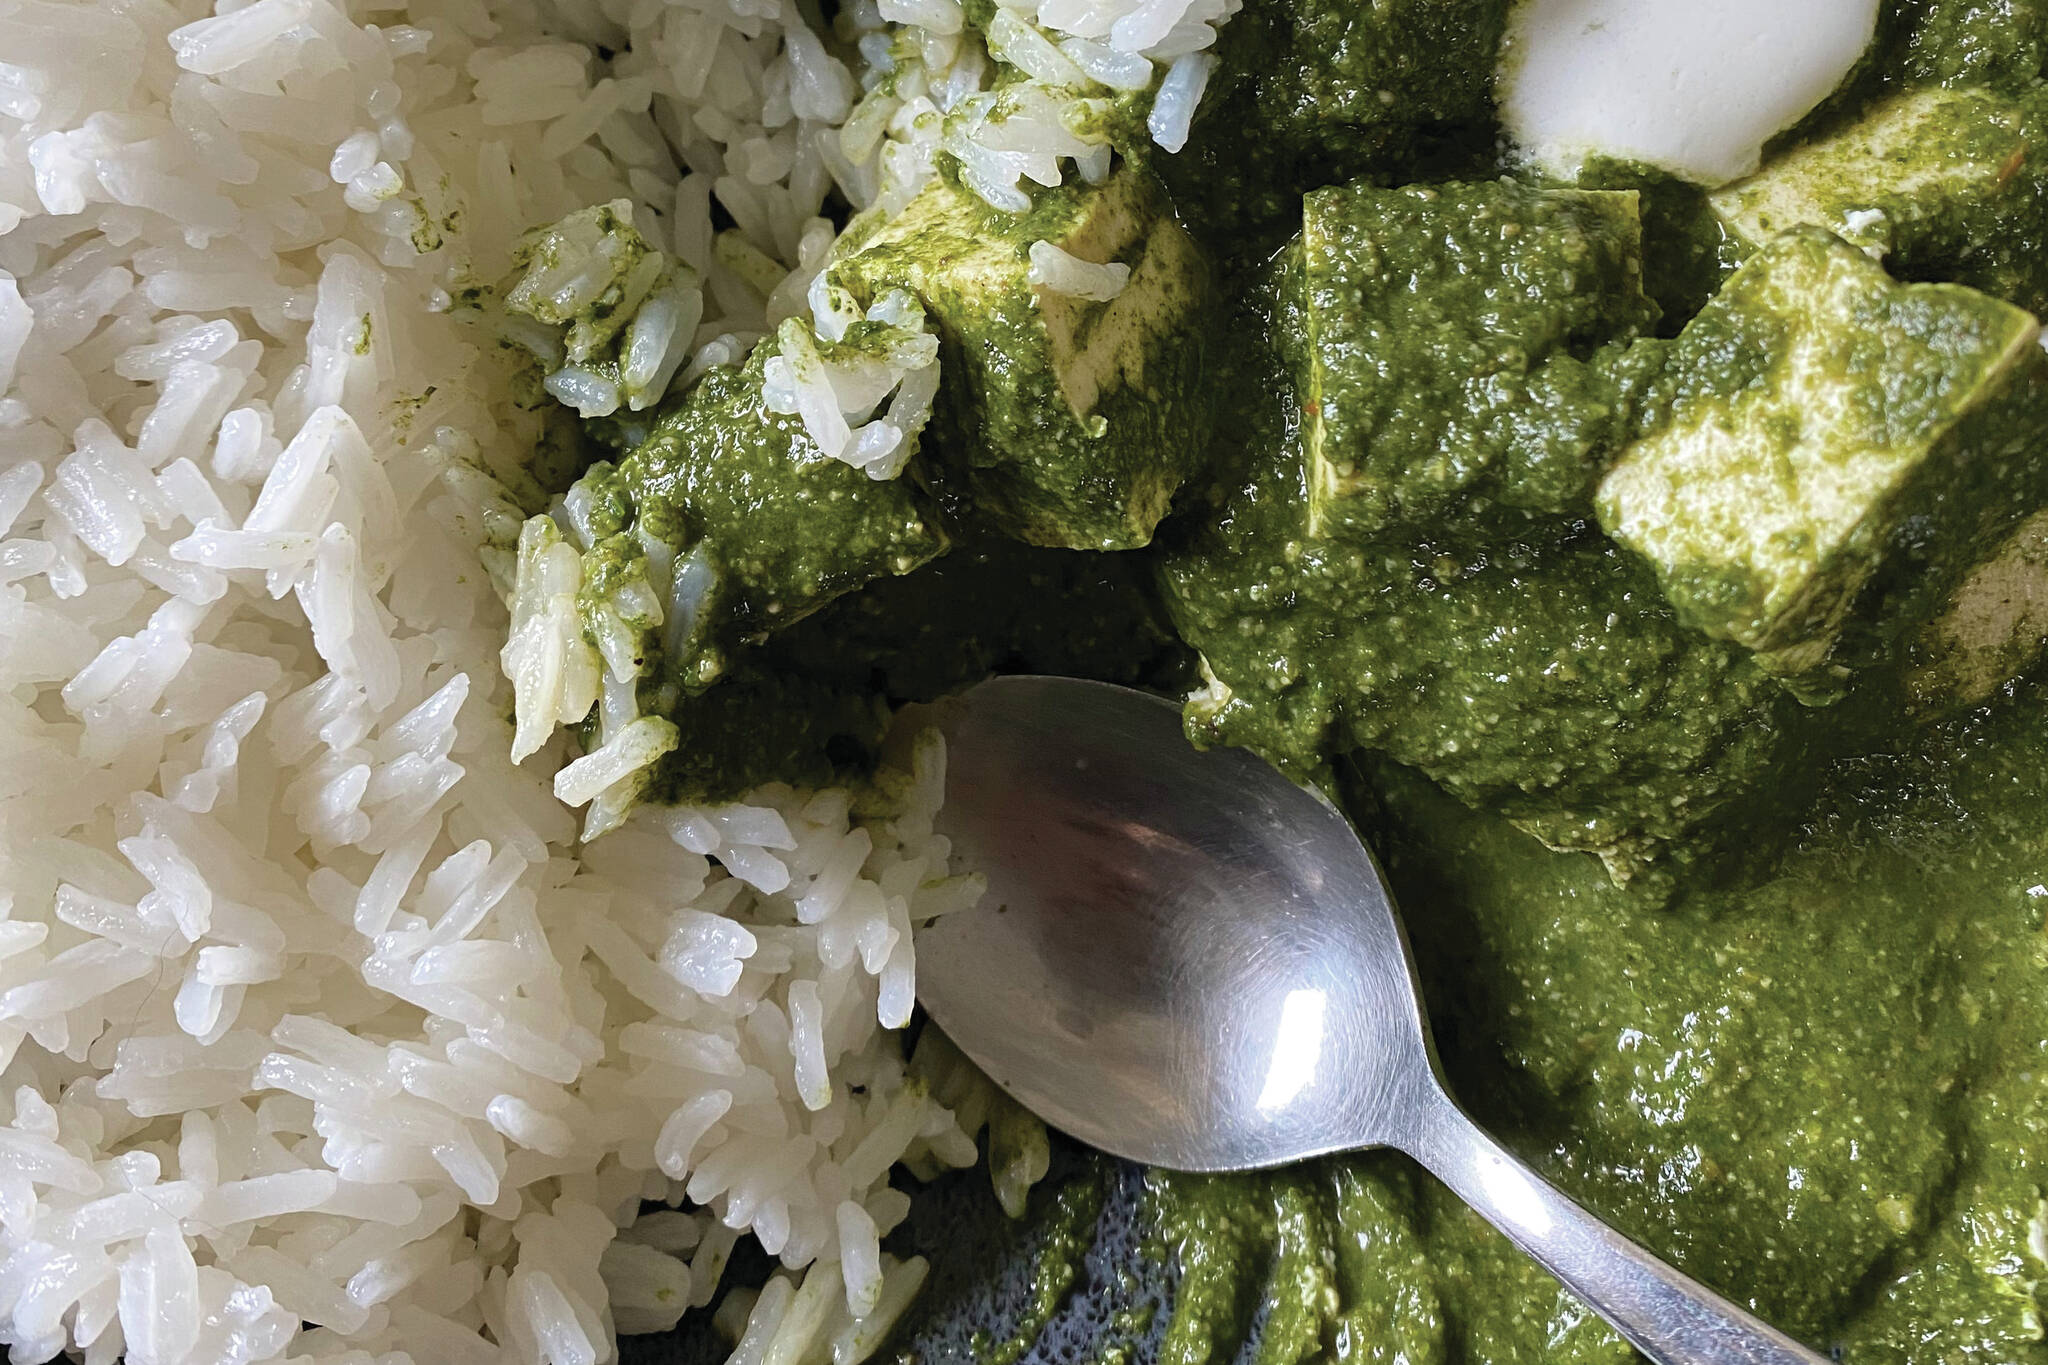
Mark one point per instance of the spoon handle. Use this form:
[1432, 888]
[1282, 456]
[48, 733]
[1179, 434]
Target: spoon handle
[1672, 1319]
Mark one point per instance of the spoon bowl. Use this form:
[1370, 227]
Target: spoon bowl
[1218, 945]
[1185, 959]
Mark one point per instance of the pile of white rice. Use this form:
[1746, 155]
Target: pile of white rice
[325, 1035]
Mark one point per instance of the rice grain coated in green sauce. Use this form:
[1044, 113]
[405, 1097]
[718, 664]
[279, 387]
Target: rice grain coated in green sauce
[1731, 920]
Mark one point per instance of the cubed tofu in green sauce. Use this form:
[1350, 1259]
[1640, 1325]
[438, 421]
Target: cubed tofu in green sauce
[1064, 421]
[1935, 183]
[1602, 695]
[1522, 660]
[1990, 627]
[1462, 344]
[1819, 420]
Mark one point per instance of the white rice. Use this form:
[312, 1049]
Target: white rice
[1055, 268]
[324, 1034]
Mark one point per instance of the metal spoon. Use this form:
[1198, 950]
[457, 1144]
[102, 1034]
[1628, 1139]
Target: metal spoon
[1187, 960]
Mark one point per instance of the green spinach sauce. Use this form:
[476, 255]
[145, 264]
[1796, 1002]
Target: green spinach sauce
[1818, 1087]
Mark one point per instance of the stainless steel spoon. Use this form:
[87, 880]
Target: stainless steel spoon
[1187, 960]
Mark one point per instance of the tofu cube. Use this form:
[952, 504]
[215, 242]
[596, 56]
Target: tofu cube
[1824, 421]
[1990, 631]
[1063, 419]
[1446, 333]
[1935, 183]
